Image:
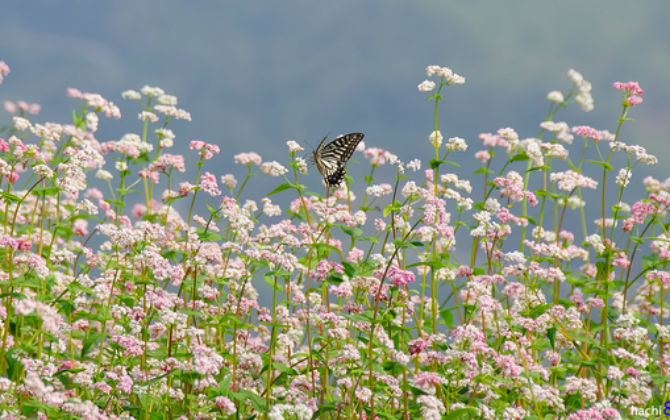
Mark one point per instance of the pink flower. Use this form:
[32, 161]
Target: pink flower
[418, 345]
[399, 277]
[631, 87]
[355, 255]
[483, 156]
[207, 151]
[248, 158]
[621, 260]
[209, 185]
[4, 70]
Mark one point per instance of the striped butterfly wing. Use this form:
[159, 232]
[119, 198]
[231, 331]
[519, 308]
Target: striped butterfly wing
[331, 159]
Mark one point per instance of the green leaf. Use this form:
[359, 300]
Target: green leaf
[537, 168]
[9, 197]
[210, 236]
[282, 187]
[354, 232]
[603, 164]
[484, 170]
[270, 279]
[46, 191]
[519, 157]
[551, 335]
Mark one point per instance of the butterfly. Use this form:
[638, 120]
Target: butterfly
[331, 159]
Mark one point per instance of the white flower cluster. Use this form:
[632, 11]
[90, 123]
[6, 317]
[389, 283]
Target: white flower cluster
[583, 97]
[623, 177]
[456, 143]
[640, 152]
[561, 128]
[596, 242]
[445, 73]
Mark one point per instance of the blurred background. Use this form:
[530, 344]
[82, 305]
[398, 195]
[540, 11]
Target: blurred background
[255, 74]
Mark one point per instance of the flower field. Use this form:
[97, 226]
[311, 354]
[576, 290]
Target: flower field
[127, 292]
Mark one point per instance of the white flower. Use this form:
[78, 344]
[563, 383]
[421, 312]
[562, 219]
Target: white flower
[414, 165]
[583, 97]
[379, 190]
[121, 166]
[273, 168]
[435, 138]
[152, 91]
[167, 99]
[623, 177]
[43, 170]
[426, 86]
[456, 143]
[293, 146]
[131, 94]
[229, 180]
[555, 96]
[492, 205]
[21, 123]
[575, 76]
[596, 242]
[104, 175]
[409, 189]
[515, 257]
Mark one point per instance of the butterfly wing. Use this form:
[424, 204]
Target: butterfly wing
[331, 159]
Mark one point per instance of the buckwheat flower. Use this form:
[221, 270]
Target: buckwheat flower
[492, 205]
[152, 91]
[293, 146]
[223, 403]
[435, 139]
[104, 175]
[273, 168]
[174, 112]
[147, 115]
[209, 185]
[166, 99]
[380, 224]
[270, 209]
[301, 165]
[596, 242]
[555, 150]
[164, 133]
[10, 107]
[426, 86]
[248, 158]
[92, 120]
[229, 180]
[432, 69]
[569, 180]
[457, 79]
[21, 124]
[4, 70]
[515, 257]
[456, 143]
[409, 189]
[555, 96]
[131, 94]
[575, 76]
[623, 177]
[532, 148]
[482, 156]
[43, 171]
[379, 190]
[121, 165]
[414, 165]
